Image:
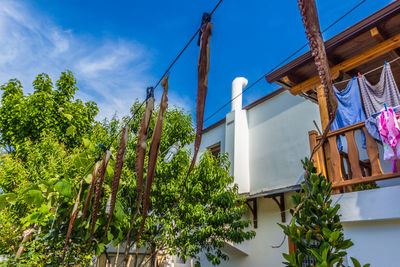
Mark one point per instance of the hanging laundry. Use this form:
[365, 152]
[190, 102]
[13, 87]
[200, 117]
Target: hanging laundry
[389, 130]
[385, 91]
[349, 109]
[371, 124]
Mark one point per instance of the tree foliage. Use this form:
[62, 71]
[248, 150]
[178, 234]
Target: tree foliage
[46, 110]
[42, 172]
[316, 229]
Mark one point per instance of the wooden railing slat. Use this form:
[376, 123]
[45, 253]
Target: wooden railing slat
[373, 153]
[336, 168]
[345, 129]
[354, 156]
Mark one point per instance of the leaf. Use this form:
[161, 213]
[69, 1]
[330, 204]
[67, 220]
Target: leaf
[100, 248]
[119, 211]
[335, 235]
[355, 262]
[110, 235]
[327, 232]
[71, 130]
[316, 254]
[68, 116]
[34, 197]
[88, 178]
[63, 187]
[3, 202]
[86, 142]
[287, 257]
[308, 236]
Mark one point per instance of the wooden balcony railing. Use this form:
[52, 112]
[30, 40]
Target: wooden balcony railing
[331, 162]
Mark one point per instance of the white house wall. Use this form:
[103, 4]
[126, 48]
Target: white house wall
[278, 140]
[212, 137]
[259, 249]
[375, 242]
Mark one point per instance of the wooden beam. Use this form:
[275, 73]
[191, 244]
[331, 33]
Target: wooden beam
[380, 36]
[349, 64]
[364, 180]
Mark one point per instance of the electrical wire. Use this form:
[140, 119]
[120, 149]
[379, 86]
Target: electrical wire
[284, 60]
[169, 68]
[159, 81]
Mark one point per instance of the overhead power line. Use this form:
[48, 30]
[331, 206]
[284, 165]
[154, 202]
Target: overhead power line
[283, 61]
[159, 81]
[169, 67]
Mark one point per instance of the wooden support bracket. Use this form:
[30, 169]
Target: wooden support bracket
[253, 209]
[280, 203]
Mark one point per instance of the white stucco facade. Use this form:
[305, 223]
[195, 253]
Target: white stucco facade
[266, 142]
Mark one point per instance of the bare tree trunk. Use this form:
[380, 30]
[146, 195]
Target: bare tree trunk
[27, 235]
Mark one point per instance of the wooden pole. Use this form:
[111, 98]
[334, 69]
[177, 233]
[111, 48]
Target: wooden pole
[326, 97]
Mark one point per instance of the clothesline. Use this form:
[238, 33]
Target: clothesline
[368, 72]
[395, 108]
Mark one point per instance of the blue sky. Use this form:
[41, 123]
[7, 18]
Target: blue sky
[118, 48]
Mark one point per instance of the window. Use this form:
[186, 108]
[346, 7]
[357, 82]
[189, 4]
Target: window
[215, 149]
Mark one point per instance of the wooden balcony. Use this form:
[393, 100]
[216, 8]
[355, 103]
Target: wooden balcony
[345, 169]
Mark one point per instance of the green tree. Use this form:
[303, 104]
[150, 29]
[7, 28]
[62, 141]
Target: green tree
[48, 109]
[41, 188]
[38, 193]
[316, 230]
[209, 213]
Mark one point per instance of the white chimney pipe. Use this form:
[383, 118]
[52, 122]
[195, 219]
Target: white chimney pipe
[237, 86]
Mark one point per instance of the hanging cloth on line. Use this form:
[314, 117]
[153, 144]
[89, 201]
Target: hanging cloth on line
[385, 91]
[349, 109]
[371, 124]
[389, 130]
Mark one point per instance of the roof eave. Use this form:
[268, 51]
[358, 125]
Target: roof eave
[362, 26]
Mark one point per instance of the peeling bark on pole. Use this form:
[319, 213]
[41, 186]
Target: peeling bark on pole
[202, 84]
[73, 217]
[99, 187]
[117, 173]
[91, 188]
[309, 14]
[141, 151]
[153, 154]
[139, 165]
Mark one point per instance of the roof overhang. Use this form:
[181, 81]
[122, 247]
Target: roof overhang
[366, 35]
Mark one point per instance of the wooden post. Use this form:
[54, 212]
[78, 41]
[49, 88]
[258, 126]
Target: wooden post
[323, 106]
[318, 157]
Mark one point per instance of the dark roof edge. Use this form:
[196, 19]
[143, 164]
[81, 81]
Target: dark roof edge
[266, 193]
[367, 23]
[214, 125]
[249, 106]
[265, 98]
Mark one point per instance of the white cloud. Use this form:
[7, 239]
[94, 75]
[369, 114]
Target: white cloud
[110, 72]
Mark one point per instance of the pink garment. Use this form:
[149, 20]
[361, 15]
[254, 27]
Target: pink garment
[389, 130]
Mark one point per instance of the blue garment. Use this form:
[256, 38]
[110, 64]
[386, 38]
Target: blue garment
[349, 109]
[371, 124]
